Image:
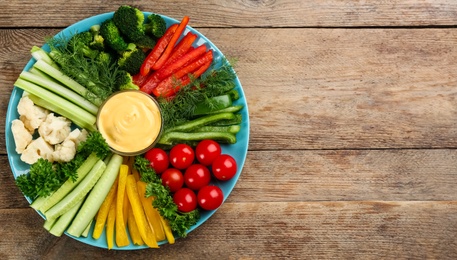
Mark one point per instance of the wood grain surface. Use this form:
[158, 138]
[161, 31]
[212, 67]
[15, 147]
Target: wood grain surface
[353, 133]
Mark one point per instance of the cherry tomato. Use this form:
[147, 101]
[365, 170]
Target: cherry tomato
[181, 156]
[158, 159]
[173, 178]
[197, 176]
[224, 167]
[206, 151]
[210, 197]
[185, 199]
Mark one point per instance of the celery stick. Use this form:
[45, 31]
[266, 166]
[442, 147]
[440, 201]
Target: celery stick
[46, 203]
[67, 109]
[95, 197]
[40, 54]
[61, 91]
[64, 221]
[67, 81]
[49, 223]
[50, 106]
[78, 193]
[38, 72]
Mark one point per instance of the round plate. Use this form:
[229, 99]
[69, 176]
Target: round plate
[237, 150]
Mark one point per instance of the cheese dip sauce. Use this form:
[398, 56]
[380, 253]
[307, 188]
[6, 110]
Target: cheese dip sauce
[130, 121]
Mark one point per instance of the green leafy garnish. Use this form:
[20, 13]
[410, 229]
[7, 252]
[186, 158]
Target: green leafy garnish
[181, 108]
[163, 201]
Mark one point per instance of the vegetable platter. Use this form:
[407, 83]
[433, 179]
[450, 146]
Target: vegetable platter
[237, 150]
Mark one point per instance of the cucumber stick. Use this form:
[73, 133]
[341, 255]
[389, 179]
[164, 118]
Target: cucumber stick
[64, 221]
[96, 197]
[78, 193]
[43, 204]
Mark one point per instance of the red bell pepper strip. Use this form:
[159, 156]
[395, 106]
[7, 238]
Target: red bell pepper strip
[158, 49]
[184, 45]
[179, 63]
[149, 84]
[138, 79]
[173, 83]
[166, 53]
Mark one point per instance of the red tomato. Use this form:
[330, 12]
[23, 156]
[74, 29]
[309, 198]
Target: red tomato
[197, 176]
[206, 151]
[224, 167]
[185, 199]
[181, 156]
[173, 178]
[210, 197]
[158, 159]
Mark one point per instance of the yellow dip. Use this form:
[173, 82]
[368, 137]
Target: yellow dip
[130, 121]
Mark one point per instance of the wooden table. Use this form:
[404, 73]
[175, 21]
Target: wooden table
[353, 110]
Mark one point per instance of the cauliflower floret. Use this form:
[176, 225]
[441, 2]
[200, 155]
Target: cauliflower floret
[30, 114]
[66, 151]
[38, 148]
[78, 136]
[22, 137]
[54, 129]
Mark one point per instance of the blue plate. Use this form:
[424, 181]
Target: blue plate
[237, 150]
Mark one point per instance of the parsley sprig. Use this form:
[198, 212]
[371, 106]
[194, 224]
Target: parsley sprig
[163, 201]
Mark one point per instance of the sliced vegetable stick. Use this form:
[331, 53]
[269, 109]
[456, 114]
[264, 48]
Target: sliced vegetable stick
[184, 45]
[110, 225]
[136, 174]
[126, 208]
[104, 210]
[167, 229]
[197, 67]
[121, 232]
[166, 53]
[133, 229]
[152, 215]
[187, 58]
[147, 234]
[158, 49]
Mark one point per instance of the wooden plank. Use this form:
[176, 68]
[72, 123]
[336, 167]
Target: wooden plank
[394, 89]
[276, 176]
[292, 230]
[281, 13]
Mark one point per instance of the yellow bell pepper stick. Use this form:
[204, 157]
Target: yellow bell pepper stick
[167, 229]
[126, 208]
[110, 225]
[102, 214]
[136, 174]
[133, 229]
[147, 234]
[121, 232]
[152, 215]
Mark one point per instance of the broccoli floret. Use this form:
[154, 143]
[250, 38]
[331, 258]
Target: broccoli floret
[146, 43]
[124, 81]
[112, 36]
[80, 43]
[104, 57]
[98, 42]
[131, 59]
[130, 21]
[155, 25]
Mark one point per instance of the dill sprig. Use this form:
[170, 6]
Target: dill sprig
[181, 107]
